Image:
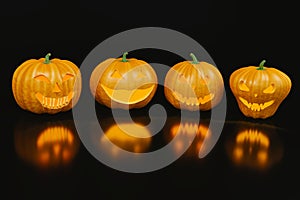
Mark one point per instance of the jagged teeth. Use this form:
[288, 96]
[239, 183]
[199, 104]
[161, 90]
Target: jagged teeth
[193, 101]
[54, 103]
[256, 106]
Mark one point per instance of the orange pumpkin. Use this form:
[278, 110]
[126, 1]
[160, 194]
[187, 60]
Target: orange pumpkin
[259, 90]
[46, 145]
[123, 83]
[194, 85]
[46, 86]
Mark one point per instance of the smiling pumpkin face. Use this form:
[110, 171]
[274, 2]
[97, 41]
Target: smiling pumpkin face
[123, 83]
[259, 90]
[46, 86]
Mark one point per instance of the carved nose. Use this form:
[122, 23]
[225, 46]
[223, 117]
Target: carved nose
[56, 88]
[255, 95]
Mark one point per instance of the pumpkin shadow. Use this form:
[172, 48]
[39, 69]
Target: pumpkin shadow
[46, 145]
[253, 146]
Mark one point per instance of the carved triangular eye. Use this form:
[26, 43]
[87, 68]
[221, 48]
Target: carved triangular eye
[67, 77]
[42, 77]
[116, 74]
[243, 86]
[270, 89]
[203, 80]
[182, 78]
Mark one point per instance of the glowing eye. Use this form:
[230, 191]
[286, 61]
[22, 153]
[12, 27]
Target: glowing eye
[42, 77]
[116, 74]
[270, 89]
[243, 86]
[67, 77]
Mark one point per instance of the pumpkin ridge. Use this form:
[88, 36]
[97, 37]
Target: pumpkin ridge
[23, 94]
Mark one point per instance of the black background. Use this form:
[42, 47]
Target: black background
[234, 34]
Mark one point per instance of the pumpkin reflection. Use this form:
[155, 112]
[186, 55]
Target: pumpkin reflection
[48, 144]
[190, 133]
[254, 146]
[129, 136]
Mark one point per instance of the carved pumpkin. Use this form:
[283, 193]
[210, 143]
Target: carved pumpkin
[133, 137]
[190, 134]
[46, 86]
[254, 146]
[194, 85]
[48, 144]
[123, 83]
[259, 90]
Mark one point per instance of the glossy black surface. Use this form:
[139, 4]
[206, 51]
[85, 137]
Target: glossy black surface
[234, 35]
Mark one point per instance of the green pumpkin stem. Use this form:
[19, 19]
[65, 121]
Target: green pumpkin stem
[124, 57]
[261, 65]
[47, 60]
[195, 61]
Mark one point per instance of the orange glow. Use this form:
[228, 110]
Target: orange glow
[55, 134]
[185, 131]
[253, 137]
[47, 145]
[132, 137]
[254, 146]
[128, 96]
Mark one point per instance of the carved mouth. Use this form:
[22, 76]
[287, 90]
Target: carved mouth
[54, 103]
[256, 106]
[193, 101]
[128, 96]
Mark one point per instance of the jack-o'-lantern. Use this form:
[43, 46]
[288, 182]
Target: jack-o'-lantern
[46, 86]
[130, 136]
[46, 145]
[123, 83]
[194, 85]
[254, 146]
[189, 133]
[259, 90]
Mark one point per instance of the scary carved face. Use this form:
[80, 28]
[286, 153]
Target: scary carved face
[257, 99]
[194, 85]
[259, 90]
